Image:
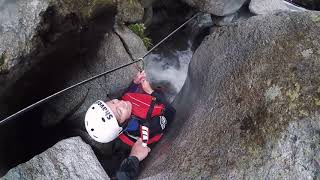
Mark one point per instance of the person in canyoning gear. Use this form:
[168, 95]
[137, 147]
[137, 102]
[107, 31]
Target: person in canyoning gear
[139, 118]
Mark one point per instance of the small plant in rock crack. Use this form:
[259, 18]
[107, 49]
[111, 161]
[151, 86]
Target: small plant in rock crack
[138, 29]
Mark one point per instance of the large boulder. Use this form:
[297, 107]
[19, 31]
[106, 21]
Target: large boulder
[217, 7]
[64, 38]
[264, 7]
[68, 159]
[18, 23]
[30, 28]
[250, 106]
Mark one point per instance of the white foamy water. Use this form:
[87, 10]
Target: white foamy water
[168, 69]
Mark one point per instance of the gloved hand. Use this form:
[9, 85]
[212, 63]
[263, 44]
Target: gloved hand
[139, 151]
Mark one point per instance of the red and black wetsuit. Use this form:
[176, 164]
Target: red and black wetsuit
[151, 111]
[155, 120]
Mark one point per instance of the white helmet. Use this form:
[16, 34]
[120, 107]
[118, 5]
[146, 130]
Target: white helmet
[101, 123]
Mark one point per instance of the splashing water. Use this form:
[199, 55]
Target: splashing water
[167, 69]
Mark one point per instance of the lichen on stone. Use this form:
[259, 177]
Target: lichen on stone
[303, 112]
[272, 93]
[307, 53]
[129, 11]
[293, 94]
[318, 90]
[315, 18]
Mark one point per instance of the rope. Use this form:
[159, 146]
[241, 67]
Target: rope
[90, 79]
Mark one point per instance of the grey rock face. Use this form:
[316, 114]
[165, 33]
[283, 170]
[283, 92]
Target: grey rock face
[264, 7]
[217, 7]
[18, 23]
[131, 41]
[111, 54]
[130, 11]
[29, 29]
[253, 111]
[68, 159]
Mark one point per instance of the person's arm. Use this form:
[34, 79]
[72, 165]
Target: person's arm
[135, 84]
[129, 168]
[133, 88]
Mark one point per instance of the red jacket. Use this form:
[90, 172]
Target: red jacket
[152, 111]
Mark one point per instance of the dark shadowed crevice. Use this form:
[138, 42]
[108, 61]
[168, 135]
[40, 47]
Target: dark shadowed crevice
[24, 137]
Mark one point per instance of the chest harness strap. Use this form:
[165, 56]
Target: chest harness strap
[144, 128]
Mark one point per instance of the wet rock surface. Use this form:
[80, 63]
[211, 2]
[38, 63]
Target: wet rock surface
[264, 7]
[216, 7]
[68, 159]
[253, 111]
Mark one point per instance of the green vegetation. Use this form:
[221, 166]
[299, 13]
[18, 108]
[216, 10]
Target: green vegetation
[138, 29]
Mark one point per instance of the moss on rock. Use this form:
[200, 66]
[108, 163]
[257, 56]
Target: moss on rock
[129, 11]
[138, 29]
[83, 8]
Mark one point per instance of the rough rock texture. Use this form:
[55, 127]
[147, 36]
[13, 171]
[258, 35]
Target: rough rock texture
[264, 7]
[217, 7]
[111, 54]
[130, 11]
[68, 159]
[18, 23]
[253, 112]
[131, 41]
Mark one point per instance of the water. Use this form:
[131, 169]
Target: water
[167, 66]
